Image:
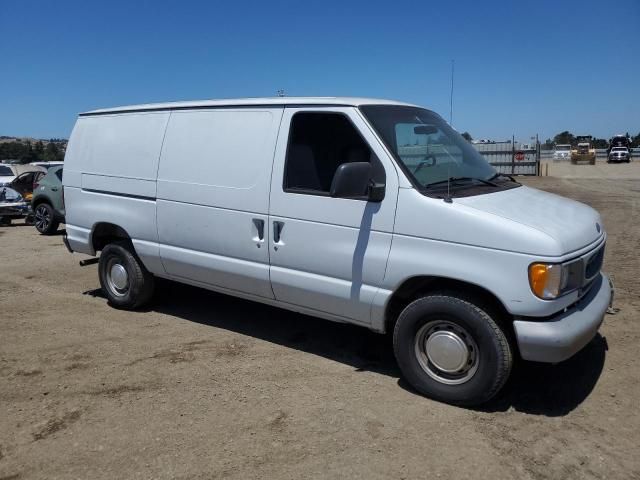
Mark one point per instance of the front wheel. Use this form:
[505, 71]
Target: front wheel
[124, 279]
[452, 350]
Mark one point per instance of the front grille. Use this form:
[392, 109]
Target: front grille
[594, 264]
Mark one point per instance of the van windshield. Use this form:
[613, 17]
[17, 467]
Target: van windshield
[431, 152]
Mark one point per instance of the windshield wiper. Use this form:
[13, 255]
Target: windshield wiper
[498, 175]
[459, 179]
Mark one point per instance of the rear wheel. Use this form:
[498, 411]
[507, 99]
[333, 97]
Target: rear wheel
[123, 277]
[44, 219]
[450, 349]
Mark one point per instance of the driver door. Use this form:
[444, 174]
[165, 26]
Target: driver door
[328, 254]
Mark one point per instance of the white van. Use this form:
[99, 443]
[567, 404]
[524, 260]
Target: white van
[363, 211]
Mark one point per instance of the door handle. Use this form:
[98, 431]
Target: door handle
[277, 230]
[259, 223]
[55, 189]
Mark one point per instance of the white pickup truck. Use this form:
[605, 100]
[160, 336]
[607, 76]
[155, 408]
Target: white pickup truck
[562, 152]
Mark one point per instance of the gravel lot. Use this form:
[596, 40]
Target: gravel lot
[207, 386]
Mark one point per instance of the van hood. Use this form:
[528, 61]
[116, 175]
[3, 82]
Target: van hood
[573, 225]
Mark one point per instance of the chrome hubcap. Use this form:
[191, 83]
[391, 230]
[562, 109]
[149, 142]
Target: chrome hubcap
[117, 278]
[446, 352]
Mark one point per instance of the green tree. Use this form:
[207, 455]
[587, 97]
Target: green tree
[51, 152]
[28, 155]
[600, 143]
[564, 138]
[38, 148]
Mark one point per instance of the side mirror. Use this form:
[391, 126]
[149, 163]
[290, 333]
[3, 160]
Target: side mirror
[353, 180]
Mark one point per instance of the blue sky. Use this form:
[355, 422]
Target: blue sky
[520, 67]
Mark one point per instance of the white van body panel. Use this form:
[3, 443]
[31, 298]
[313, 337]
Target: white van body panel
[213, 188]
[110, 177]
[107, 148]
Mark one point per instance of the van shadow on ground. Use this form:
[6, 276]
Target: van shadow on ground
[534, 388]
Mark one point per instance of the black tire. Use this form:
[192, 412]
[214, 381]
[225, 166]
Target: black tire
[45, 220]
[488, 368]
[140, 283]
[5, 221]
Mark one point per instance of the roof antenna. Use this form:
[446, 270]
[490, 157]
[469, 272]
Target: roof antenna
[451, 96]
[280, 92]
[448, 199]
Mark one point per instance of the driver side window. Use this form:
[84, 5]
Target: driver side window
[318, 144]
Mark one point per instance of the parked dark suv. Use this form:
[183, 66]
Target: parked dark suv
[48, 201]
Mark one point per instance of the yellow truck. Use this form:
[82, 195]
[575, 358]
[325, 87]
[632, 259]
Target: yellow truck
[583, 151]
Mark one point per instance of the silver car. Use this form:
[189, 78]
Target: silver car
[619, 155]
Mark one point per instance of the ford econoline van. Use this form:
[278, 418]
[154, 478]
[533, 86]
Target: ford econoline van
[364, 211]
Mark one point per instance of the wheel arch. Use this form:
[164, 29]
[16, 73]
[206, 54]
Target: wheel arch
[40, 199]
[103, 233]
[415, 287]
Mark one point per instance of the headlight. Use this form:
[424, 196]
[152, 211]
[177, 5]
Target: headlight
[551, 280]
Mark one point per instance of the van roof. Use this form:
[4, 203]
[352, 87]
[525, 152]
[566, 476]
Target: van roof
[248, 102]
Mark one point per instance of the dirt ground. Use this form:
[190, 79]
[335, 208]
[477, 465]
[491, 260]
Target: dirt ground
[206, 386]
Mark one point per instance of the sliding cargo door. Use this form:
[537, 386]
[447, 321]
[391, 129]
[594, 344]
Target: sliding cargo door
[213, 195]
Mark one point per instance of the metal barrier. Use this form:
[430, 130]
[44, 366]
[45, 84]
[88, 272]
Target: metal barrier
[512, 158]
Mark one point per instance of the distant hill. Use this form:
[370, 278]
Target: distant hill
[5, 138]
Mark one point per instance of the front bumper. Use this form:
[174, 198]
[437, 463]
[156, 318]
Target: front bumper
[563, 335]
[14, 210]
